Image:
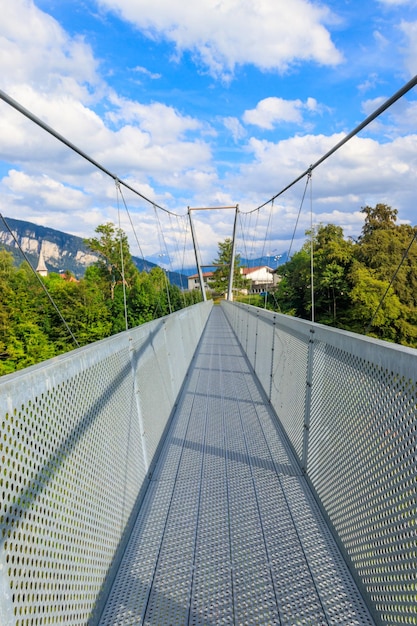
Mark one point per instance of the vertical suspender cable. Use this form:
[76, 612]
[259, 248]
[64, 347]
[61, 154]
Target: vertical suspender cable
[232, 258]
[162, 245]
[122, 257]
[310, 179]
[298, 217]
[197, 258]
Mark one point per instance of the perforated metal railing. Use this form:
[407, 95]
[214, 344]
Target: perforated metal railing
[229, 531]
[78, 436]
[349, 407]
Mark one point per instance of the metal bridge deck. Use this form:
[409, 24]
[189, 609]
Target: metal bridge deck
[229, 532]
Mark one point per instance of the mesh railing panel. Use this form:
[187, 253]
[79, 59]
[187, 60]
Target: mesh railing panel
[277, 349]
[251, 338]
[229, 532]
[364, 469]
[77, 436]
[263, 362]
[288, 383]
[361, 447]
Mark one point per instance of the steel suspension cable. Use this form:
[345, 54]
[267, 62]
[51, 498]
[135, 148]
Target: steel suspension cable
[176, 240]
[386, 105]
[36, 120]
[50, 298]
[122, 258]
[182, 258]
[162, 241]
[133, 227]
[405, 255]
[268, 228]
[298, 216]
[242, 233]
[252, 251]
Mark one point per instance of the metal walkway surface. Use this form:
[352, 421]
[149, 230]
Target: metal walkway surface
[229, 532]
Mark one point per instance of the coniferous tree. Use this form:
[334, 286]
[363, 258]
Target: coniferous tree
[221, 275]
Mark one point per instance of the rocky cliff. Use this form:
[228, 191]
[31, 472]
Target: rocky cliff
[60, 250]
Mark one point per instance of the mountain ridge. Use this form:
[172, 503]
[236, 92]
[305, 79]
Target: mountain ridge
[61, 251]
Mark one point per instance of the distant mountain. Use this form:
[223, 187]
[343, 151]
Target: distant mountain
[61, 251]
[272, 261]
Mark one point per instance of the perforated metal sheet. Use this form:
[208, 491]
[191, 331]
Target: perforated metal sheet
[360, 445]
[280, 365]
[77, 436]
[363, 462]
[229, 532]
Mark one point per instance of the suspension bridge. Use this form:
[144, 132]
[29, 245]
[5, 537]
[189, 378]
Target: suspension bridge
[220, 465]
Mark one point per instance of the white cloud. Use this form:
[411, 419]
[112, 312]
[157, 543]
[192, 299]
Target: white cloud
[36, 51]
[369, 106]
[163, 123]
[410, 31]
[236, 129]
[363, 172]
[398, 2]
[166, 154]
[46, 192]
[370, 83]
[270, 34]
[56, 78]
[142, 70]
[271, 111]
[398, 120]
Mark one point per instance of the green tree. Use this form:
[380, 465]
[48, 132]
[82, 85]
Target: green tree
[333, 256]
[387, 251]
[379, 217]
[23, 340]
[366, 295]
[82, 305]
[115, 271]
[32, 330]
[373, 279]
[221, 275]
[293, 293]
[115, 261]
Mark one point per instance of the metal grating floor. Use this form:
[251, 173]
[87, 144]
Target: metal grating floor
[228, 532]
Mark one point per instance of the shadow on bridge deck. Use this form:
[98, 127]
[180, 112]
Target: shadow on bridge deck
[229, 532]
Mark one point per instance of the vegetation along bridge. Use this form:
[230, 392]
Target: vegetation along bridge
[219, 465]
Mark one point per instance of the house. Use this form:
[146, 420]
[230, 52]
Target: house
[194, 281]
[262, 278]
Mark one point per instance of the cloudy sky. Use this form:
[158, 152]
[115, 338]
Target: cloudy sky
[204, 104]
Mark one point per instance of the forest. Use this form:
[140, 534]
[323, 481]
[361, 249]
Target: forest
[368, 285]
[31, 326]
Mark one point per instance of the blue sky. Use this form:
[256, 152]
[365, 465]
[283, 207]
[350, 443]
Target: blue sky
[212, 103]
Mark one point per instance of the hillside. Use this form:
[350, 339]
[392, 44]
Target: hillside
[61, 250]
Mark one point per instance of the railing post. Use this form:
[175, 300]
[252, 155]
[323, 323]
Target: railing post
[272, 358]
[307, 407]
[256, 341]
[138, 404]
